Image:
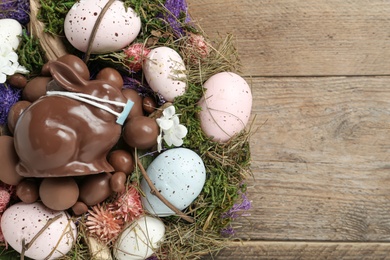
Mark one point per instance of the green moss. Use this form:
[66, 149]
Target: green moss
[30, 53]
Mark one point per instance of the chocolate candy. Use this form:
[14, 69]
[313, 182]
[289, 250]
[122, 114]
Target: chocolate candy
[149, 105]
[95, 188]
[59, 193]
[60, 136]
[17, 80]
[27, 191]
[141, 132]
[117, 181]
[35, 88]
[122, 161]
[8, 161]
[132, 95]
[14, 113]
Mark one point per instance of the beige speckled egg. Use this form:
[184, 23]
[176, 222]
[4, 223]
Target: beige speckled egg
[24, 221]
[226, 106]
[164, 71]
[140, 239]
[118, 28]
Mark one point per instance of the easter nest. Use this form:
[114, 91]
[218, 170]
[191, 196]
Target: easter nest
[203, 227]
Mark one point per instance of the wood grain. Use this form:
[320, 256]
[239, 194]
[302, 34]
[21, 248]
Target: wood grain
[320, 157]
[302, 38]
[320, 152]
[306, 250]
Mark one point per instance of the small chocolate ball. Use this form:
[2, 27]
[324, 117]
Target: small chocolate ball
[133, 95]
[121, 161]
[15, 111]
[8, 161]
[27, 191]
[45, 71]
[118, 181]
[17, 80]
[79, 208]
[77, 64]
[112, 76]
[141, 132]
[95, 188]
[35, 88]
[59, 193]
[149, 105]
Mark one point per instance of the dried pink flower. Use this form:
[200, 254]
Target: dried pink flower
[128, 205]
[135, 55]
[5, 197]
[103, 224]
[197, 48]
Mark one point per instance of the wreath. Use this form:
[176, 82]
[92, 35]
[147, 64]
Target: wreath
[123, 132]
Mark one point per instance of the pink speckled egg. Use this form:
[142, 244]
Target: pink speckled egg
[118, 28]
[226, 106]
[24, 221]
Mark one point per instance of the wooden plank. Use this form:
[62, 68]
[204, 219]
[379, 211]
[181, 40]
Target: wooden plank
[320, 160]
[266, 250]
[300, 38]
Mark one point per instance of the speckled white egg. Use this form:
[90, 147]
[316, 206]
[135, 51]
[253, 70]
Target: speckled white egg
[179, 175]
[118, 28]
[23, 221]
[10, 31]
[140, 239]
[164, 71]
[226, 106]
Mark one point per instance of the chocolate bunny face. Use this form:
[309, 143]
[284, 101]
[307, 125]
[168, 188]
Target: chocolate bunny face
[60, 136]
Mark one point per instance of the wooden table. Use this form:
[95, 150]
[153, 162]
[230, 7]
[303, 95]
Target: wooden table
[319, 71]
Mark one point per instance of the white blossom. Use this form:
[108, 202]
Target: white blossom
[170, 128]
[9, 64]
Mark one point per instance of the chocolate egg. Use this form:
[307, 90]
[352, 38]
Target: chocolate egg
[149, 105]
[59, 193]
[112, 76]
[95, 188]
[79, 208]
[35, 88]
[14, 113]
[117, 181]
[121, 161]
[77, 64]
[133, 95]
[27, 191]
[17, 80]
[45, 71]
[8, 161]
[141, 132]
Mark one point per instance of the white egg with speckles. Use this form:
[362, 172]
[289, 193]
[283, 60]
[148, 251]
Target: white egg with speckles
[118, 28]
[179, 175]
[23, 221]
[140, 239]
[10, 32]
[226, 106]
[164, 71]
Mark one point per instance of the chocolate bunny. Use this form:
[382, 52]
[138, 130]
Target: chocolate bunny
[61, 136]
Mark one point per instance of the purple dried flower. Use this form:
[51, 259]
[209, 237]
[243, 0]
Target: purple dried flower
[153, 257]
[143, 90]
[176, 10]
[8, 97]
[237, 208]
[15, 9]
[227, 232]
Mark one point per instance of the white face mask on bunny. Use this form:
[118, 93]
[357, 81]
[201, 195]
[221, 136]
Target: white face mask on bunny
[69, 133]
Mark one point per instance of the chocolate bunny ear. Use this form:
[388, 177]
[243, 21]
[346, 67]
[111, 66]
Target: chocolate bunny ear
[66, 77]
